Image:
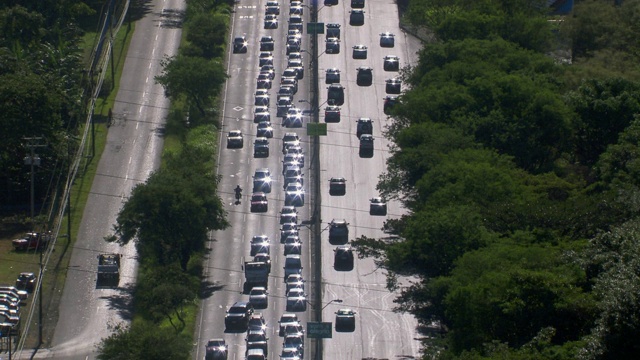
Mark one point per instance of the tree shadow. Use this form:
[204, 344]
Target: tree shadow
[208, 288]
[171, 18]
[122, 302]
[139, 9]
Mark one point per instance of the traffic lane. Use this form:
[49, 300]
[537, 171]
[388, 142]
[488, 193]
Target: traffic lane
[377, 327]
[133, 148]
[239, 112]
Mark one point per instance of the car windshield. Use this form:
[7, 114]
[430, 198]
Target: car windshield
[255, 337]
[237, 310]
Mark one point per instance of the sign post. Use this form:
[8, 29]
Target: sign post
[319, 330]
[315, 28]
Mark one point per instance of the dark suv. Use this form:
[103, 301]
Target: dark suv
[338, 232]
[238, 315]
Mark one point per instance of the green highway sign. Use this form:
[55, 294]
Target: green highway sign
[315, 28]
[316, 129]
[319, 330]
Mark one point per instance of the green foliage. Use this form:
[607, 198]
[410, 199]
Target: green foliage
[144, 341]
[605, 109]
[510, 292]
[208, 33]
[613, 262]
[196, 79]
[169, 215]
[619, 165]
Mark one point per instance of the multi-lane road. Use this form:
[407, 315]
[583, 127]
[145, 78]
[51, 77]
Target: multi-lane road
[133, 150]
[380, 332]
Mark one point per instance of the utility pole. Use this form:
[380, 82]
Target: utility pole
[33, 160]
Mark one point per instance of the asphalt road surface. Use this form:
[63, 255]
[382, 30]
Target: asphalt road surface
[228, 248]
[380, 333]
[132, 152]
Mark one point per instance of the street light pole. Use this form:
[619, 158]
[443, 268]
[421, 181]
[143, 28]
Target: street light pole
[34, 160]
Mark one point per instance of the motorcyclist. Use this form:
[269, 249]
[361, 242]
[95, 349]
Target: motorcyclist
[238, 191]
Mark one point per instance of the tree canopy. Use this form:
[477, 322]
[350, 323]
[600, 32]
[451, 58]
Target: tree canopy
[520, 181]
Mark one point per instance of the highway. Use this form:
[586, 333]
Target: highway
[132, 152]
[379, 333]
[223, 268]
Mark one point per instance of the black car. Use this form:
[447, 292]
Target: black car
[387, 39]
[365, 76]
[335, 94]
[356, 17]
[366, 147]
[337, 186]
[264, 129]
[364, 126]
[216, 349]
[332, 76]
[238, 315]
[391, 63]
[261, 147]
[360, 51]
[389, 102]
[260, 244]
[333, 30]
[377, 206]
[332, 114]
[332, 46]
[338, 231]
[267, 43]
[240, 45]
[343, 258]
[26, 281]
[394, 86]
[345, 320]
[330, 2]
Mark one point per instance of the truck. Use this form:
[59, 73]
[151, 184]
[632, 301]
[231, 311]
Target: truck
[256, 273]
[108, 270]
[32, 241]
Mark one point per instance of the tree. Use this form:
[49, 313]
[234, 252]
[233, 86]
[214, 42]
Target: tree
[613, 262]
[208, 33]
[509, 292]
[197, 79]
[144, 341]
[604, 109]
[169, 217]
